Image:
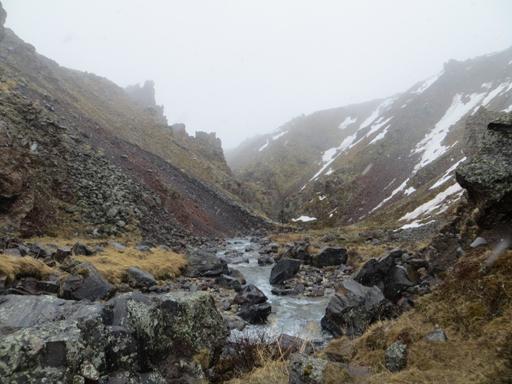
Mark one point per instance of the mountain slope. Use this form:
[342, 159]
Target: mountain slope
[349, 163]
[79, 154]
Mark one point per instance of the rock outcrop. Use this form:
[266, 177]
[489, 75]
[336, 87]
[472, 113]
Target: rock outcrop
[487, 175]
[3, 16]
[165, 337]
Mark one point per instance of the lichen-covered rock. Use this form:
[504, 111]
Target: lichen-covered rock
[396, 356]
[135, 338]
[353, 308]
[304, 369]
[487, 175]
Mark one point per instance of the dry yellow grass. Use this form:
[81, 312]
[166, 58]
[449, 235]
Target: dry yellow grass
[14, 267]
[113, 265]
[272, 372]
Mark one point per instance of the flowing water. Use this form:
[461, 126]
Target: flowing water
[294, 315]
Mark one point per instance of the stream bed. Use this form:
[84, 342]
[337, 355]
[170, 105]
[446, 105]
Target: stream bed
[294, 315]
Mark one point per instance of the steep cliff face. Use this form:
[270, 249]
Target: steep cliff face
[80, 155]
[348, 164]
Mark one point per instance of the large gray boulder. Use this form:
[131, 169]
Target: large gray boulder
[203, 263]
[284, 269]
[139, 278]
[353, 308]
[140, 338]
[85, 283]
[253, 304]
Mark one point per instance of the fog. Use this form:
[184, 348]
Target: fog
[242, 68]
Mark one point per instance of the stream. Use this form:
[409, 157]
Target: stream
[294, 315]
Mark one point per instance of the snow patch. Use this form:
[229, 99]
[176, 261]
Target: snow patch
[503, 87]
[381, 108]
[322, 197]
[377, 126]
[431, 146]
[415, 224]
[264, 146]
[304, 219]
[281, 134]
[434, 204]
[348, 121]
[400, 188]
[409, 191]
[380, 136]
[508, 109]
[487, 85]
[448, 174]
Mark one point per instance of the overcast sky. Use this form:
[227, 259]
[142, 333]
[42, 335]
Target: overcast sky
[241, 68]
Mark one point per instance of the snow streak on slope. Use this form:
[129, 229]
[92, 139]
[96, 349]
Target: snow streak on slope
[330, 155]
[348, 121]
[503, 87]
[274, 138]
[431, 146]
[434, 204]
[427, 83]
[264, 146]
[448, 174]
[396, 191]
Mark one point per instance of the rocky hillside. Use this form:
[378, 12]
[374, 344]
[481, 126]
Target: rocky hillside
[347, 164]
[81, 155]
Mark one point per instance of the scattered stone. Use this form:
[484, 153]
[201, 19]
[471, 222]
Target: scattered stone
[12, 252]
[437, 336]
[62, 253]
[353, 308]
[478, 242]
[284, 270]
[118, 246]
[304, 369]
[395, 357]
[250, 294]
[265, 260]
[80, 249]
[139, 278]
[255, 313]
[228, 282]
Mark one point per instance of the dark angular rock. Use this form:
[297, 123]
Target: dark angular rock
[284, 270]
[139, 278]
[329, 256]
[85, 283]
[228, 282]
[353, 308]
[255, 313]
[61, 254]
[250, 294]
[80, 249]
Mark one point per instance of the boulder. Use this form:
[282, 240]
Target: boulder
[299, 250]
[265, 260]
[387, 274]
[329, 256]
[62, 253]
[304, 369]
[284, 269]
[250, 294]
[255, 313]
[353, 308]
[235, 273]
[46, 339]
[140, 279]
[253, 305]
[202, 263]
[395, 357]
[85, 282]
